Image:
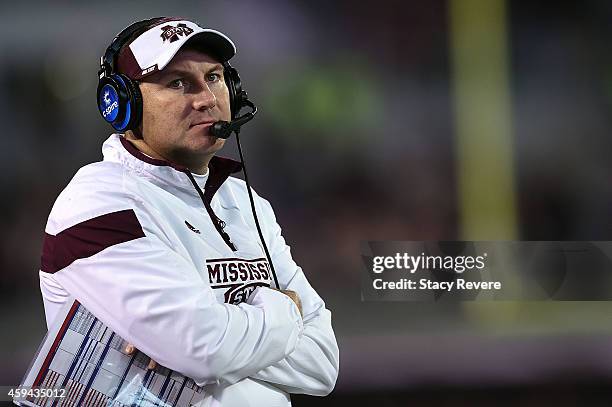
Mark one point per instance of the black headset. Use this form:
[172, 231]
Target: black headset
[118, 97]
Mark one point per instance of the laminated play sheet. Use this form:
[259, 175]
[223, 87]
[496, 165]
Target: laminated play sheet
[81, 362]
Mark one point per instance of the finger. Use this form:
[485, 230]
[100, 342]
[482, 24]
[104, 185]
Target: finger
[152, 364]
[129, 349]
[296, 299]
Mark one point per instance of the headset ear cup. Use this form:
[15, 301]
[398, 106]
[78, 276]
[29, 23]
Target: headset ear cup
[112, 98]
[130, 103]
[135, 98]
[234, 86]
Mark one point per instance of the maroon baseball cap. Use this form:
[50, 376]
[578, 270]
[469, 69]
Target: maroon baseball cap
[152, 50]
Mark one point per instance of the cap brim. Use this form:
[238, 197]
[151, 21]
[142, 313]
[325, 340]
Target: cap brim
[212, 42]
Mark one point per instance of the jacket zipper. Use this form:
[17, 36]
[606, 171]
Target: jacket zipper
[218, 223]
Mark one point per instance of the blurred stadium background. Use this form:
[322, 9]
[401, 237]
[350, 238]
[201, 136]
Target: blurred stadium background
[387, 120]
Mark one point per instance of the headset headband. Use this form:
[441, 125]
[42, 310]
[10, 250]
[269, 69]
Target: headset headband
[107, 62]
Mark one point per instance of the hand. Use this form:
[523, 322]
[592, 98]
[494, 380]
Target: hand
[294, 296]
[130, 349]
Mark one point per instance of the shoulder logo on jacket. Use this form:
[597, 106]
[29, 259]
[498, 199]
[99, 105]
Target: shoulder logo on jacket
[238, 277]
[192, 228]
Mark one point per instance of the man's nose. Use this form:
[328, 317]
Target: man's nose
[204, 99]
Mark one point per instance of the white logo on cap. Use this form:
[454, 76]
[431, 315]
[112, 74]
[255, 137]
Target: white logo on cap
[172, 34]
[149, 69]
[106, 98]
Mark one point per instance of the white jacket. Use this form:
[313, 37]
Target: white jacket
[131, 239]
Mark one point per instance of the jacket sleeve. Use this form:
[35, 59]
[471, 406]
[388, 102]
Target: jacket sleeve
[116, 258]
[312, 368]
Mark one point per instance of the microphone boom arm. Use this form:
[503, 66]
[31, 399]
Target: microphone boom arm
[223, 129]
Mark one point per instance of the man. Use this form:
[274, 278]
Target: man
[159, 243]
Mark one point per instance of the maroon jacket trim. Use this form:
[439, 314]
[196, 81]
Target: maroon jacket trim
[235, 259]
[88, 238]
[133, 150]
[220, 168]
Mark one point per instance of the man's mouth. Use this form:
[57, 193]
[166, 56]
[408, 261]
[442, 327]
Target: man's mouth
[202, 124]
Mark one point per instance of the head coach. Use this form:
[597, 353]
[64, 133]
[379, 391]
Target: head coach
[161, 244]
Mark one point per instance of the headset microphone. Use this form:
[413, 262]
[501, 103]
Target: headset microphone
[223, 129]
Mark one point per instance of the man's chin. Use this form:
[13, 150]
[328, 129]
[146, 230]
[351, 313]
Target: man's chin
[194, 155]
[210, 144]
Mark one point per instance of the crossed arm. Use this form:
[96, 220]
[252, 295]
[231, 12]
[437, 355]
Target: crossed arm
[163, 297]
[312, 367]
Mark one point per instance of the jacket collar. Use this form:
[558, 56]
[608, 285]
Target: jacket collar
[118, 148]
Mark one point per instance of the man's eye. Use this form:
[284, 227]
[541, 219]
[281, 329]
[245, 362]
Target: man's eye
[177, 83]
[213, 77]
